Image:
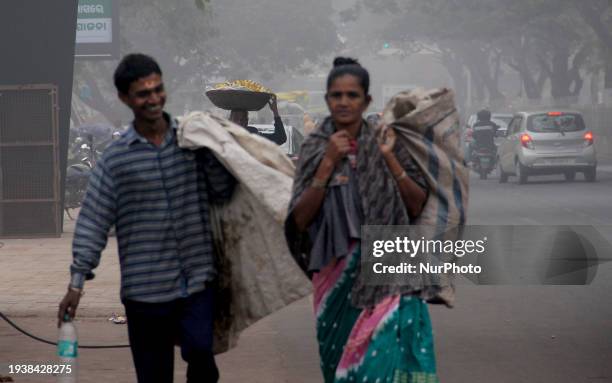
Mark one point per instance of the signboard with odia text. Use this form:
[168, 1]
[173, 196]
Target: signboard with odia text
[97, 33]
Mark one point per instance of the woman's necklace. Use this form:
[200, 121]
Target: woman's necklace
[352, 154]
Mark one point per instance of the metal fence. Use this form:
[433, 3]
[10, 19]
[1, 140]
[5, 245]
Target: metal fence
[30, 203]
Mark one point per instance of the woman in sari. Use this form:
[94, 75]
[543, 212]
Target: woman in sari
[351, 174]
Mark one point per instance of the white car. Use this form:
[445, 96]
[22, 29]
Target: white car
[294, 137]
[547, 142]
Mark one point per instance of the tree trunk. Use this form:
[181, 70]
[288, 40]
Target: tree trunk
[532, 86]
[478, 61]
[608, 71]
[591, 13]
[455, 69]
[592, 16]
[477, 86]
[566, 80]
[594, 86]
[559, 81]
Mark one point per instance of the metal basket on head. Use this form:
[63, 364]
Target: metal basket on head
[238, 99]
[240, 95]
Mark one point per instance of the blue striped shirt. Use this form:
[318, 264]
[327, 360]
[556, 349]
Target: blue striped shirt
[158, 199]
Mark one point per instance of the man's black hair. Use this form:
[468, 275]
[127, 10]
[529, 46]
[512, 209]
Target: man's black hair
[344, 66]
[133, 67]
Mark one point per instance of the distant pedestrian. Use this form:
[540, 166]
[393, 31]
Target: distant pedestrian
[278, 136]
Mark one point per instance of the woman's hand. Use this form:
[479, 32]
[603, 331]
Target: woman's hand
[386, 140]
[311, 200]
[338, 146]
[413, 196]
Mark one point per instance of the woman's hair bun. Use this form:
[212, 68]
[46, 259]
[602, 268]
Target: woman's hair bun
[339, 61]
[349, 66]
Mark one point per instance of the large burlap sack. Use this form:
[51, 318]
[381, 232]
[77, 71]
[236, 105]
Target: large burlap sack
[427, 122]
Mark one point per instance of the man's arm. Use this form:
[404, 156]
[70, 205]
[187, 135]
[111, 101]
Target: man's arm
[220, 183]
[97, 215]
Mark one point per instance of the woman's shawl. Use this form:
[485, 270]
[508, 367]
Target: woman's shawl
[256, 275]
[380, 197]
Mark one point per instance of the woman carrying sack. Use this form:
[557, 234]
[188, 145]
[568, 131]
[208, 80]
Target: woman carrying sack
[351, 174]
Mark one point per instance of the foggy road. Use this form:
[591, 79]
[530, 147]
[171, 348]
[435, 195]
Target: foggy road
[535, 333]
[508, 334]
[541, 71]
[544, 200]
[503, 334]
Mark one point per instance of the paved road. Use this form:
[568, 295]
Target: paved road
[544, 200]
[532, 334]
[494, 334]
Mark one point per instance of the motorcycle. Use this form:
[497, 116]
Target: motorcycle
[483, 161]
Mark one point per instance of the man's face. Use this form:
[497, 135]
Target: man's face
[146, 97]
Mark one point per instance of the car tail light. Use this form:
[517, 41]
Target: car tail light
[526, 141]
[552, 114]
[588, 138]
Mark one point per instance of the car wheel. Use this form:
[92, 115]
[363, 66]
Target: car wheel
[570, 176]
[591, 174]
[503, 176]
[521, 173]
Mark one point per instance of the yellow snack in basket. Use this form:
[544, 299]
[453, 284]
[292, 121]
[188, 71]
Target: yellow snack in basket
[247, 84]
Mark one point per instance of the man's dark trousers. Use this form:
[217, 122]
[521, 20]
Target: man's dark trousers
[153, 329]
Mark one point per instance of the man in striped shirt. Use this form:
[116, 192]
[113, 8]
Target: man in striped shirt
[157, 195]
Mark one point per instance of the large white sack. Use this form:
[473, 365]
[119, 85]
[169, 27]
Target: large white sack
[257, 275]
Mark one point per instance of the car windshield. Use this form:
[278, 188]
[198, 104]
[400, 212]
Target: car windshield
[547, 123]
[294, 137]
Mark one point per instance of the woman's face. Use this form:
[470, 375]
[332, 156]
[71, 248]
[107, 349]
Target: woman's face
[346, 100]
